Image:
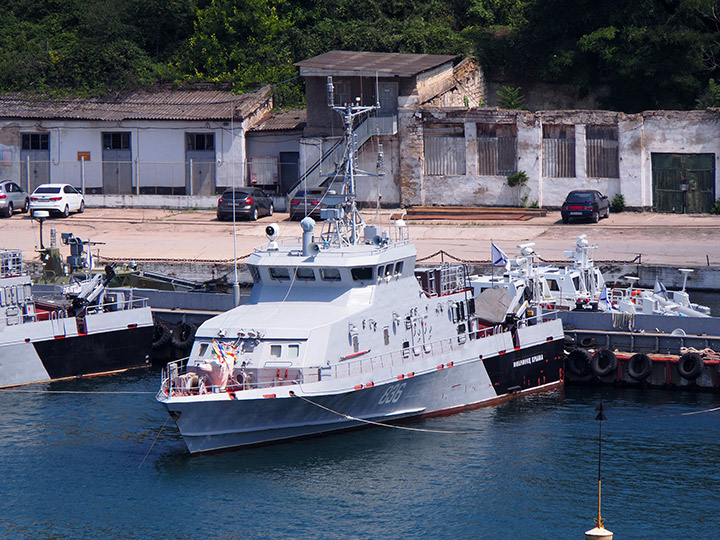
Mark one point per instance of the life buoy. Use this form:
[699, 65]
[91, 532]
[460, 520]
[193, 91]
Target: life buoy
[690, 366]
[182, 336]
[578, 362]
[603, 362]
[639, 366]
[161, 336]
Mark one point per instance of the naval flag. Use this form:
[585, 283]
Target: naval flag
[660, 288]
[604, 298]
[90, 262]
[498, 256]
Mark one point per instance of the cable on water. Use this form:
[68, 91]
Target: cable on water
[26, 391]
[371, 422]
[701, 412]
[154, 441]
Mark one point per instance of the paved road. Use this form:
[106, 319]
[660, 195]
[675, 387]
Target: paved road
[667, 239]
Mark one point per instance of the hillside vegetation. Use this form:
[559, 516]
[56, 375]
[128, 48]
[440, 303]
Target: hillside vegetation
[649, 54]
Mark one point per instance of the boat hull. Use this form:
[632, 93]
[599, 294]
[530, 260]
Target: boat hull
[225, 421]
[40, 351]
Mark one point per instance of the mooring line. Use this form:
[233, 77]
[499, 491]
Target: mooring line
[371, 422]
[154, 441]
[701, 412]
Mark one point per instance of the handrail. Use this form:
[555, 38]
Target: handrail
[173, 383]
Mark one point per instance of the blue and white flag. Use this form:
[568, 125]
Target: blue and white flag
[660, 288]
[604, 298]
[90, 262]
[498, 256]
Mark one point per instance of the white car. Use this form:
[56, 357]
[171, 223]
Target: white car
[58, 198]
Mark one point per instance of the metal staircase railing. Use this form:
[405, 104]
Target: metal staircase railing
[372, 125]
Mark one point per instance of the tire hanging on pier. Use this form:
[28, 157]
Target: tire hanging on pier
[639, 367]
[183, 336]
[690, 366]
[578, 362]
[603, 362]
[161, 336]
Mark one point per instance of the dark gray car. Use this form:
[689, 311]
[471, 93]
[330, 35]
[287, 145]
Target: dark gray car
[12, 198]
[249, 202]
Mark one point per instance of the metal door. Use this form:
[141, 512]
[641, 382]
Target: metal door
[289, 170]
[39, 168]
[117, 171]
[199, 163]
[683, 183]
[388, 98]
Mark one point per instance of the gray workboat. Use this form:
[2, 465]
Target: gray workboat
[342, 330]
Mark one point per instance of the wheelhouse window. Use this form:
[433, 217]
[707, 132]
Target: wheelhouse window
[275, 351]
[35, 141]
[293, 351]
[330, 274]
[279, 273]
[255, 273]
[398, 268]
[362, 273]
[305, 274]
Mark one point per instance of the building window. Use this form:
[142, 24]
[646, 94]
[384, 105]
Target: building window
[558, 151]
[602, 152]
[263, 170]
[35, 141]
[116, 141]
[497, 149]
[200, 141]
[341, 92]
[444, 150]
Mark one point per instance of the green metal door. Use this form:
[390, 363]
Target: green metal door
[683, 183]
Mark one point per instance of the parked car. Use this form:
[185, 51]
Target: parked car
[249, 202]
[12, 197]
[58, 199]
[307, 202]
[585, 204]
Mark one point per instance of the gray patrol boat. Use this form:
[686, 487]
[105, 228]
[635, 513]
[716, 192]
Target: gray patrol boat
[342, 330]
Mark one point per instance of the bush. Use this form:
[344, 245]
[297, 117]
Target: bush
[618, 203]
[716, 207]
[516, 179]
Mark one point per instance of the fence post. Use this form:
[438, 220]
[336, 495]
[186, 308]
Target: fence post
[27, 172]
[137, 176]
[191, 177]
[82, 175]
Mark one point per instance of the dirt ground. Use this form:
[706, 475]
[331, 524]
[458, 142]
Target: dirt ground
[668, 239]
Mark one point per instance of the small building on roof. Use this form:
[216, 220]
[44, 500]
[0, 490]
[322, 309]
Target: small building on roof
[398, 84]
[166, 142]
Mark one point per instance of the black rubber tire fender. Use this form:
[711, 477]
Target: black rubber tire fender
[690, 366]
[161, 336]
[183, 336]
[578, 362]
[603, 362]
[639, 367]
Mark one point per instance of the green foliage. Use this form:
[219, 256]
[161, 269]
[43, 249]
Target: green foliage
[511, 98]
[646, 54]
[618, 203]
[716, 207]
[517, 179]
[711, 97]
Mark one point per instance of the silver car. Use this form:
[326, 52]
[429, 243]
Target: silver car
[12, 198]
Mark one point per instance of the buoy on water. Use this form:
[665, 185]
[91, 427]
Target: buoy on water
[599, 532]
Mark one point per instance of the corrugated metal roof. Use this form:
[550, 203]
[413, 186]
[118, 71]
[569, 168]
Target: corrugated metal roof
[140, 105]
[282, 121]
[396, 64]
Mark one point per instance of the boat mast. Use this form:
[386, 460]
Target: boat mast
[350, 222]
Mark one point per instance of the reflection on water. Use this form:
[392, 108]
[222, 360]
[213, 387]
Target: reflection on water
[70, 465]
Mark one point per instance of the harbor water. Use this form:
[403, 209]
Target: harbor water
[95, 459]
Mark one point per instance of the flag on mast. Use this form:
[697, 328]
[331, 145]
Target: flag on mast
[498, 256]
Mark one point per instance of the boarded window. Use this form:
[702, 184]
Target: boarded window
[497, 149]
[444, 150]
[602, 151]
[263, 171]
[558, 151]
